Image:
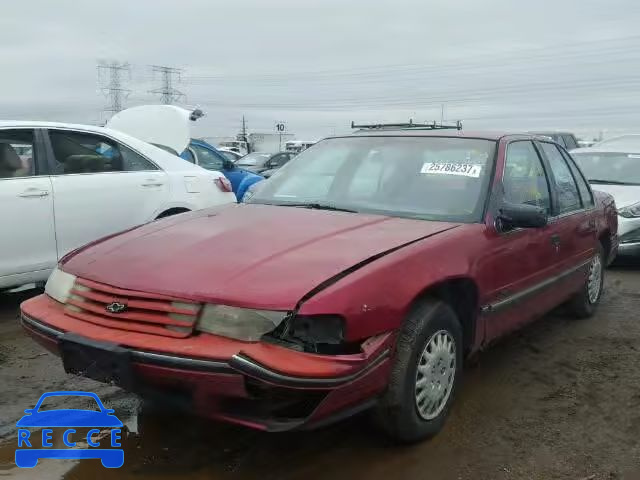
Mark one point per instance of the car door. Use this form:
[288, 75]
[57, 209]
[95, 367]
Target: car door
[521, 263]
[28, 242]
[573, 220]
[100, 186]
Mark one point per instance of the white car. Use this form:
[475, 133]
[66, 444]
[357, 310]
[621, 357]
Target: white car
[63, 185]
[614, 168]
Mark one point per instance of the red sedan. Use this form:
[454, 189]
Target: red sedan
[359, 276]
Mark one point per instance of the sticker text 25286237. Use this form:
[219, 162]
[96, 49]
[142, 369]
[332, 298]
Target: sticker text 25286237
[464, 169]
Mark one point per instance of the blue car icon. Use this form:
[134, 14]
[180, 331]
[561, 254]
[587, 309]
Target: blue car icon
[29, 454]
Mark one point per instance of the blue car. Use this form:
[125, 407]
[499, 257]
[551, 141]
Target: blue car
[27, 453]
[207, 156]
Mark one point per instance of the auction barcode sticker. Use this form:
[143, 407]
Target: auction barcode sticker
[464, 169]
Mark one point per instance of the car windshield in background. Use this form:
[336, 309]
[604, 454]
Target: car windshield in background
[254, 160]
[434, 178]
[610, 167]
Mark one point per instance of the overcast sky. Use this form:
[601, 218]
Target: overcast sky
[317, 65]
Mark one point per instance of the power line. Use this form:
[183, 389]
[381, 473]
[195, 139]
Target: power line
[113, 86]
[168, 94]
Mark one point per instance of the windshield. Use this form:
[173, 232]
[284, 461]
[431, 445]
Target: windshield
[433, 178]
[254, 160]
[610, 167]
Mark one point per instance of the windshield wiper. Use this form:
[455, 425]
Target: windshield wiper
[610, 182]
[318, 206]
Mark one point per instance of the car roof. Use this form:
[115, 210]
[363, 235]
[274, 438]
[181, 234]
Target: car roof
[550, 132]
[607, 149]
[41, 124]
[416, 132]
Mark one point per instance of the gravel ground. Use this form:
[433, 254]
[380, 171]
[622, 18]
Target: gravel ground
[560, 399]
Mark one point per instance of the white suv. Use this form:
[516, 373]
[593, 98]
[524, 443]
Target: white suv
[62, 186]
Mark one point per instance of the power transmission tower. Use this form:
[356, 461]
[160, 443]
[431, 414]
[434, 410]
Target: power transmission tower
[168, 94]
[111, 81]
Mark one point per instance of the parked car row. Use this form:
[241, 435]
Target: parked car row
[359, 277]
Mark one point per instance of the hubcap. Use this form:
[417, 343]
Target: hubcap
[594, 283]
[435, 375]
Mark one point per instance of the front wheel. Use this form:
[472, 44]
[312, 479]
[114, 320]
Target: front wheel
[585, 302]
[426, 372]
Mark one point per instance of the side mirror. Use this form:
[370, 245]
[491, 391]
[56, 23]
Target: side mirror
[521, 216]
[228, 165]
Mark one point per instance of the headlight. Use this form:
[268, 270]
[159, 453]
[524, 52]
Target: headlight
[239, 323]
[632, 211]
[59, 285]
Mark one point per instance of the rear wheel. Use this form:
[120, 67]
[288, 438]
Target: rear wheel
[171, 212]
[427, 370]
[585, 302]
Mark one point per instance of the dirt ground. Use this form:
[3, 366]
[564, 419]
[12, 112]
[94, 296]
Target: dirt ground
[560, 399]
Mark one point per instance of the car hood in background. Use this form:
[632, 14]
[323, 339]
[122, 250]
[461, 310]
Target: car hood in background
[166, 125]
[624, 195]
[256, 256]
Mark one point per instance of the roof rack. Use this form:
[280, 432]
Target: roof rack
[419, 126]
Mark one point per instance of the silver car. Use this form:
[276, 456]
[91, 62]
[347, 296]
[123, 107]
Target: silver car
[616, 170]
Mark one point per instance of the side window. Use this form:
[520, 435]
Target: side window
[134, 162]
[583, 186]
[524, 180]
[188, 156]
[560, 140]
[79, 152]
[570, 142]
[564, 183]
[279, 160]
[208, 159]
[17, 154]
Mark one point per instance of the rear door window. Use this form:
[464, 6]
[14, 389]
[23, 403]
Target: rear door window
[80, 152]
[563, 181]
[569, 142]
[583, 186]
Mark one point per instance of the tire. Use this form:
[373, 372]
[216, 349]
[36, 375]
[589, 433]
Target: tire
[171, 212]
[584, 303]
[398, 414]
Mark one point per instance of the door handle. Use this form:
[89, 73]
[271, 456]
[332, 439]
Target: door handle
[34, 192]
[555, 240]
[152, 183]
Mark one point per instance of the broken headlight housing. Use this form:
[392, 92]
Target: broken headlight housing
[324, 334]
[240, 323]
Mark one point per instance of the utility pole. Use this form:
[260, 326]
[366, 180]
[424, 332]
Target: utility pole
[168, 94]
[111, 82]
[243, 134]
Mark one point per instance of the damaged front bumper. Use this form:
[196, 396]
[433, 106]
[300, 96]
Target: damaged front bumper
[256, 384]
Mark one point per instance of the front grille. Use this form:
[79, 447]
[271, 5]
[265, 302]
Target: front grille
[144, 312]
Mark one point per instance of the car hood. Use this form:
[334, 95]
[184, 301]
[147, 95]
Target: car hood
[166, 125]
[256, 256]
[624, 195]
[69, 418]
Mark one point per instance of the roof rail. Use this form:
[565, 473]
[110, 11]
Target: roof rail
[419, 126]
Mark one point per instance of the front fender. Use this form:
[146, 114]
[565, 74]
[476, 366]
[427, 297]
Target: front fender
[377, 297]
